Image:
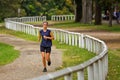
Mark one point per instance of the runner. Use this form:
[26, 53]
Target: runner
[46, 43]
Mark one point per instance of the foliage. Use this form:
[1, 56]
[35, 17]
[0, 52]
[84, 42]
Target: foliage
[8, 8]
[47, 7]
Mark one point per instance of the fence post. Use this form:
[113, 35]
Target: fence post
[96, 71]
[70, 39]
[76, 39]
[80, 75]
[82, 40]
[68, 77]
[73, 39]
[100, 70]
[67, 36]
[90, 72]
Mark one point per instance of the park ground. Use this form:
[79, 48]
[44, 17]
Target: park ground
[110, 35]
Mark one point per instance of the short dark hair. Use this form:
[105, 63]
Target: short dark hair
[45, 22]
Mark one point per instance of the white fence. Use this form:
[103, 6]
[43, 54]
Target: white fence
[63, 17]
[28, 19]
[97, 67]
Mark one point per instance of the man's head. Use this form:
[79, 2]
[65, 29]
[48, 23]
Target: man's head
[45, 24]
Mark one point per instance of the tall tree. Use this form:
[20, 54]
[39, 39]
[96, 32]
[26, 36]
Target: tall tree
[98, 12]
[78, 10]
[86, 11]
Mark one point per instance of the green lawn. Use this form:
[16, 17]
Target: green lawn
[72, 54]
[3, 30]
[73, 25]
[114, 65]
[7, 54]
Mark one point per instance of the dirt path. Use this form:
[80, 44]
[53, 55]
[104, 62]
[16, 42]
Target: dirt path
[112, 39]
[29, 64]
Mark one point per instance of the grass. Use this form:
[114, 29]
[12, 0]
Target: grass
[7, 54]
[73, 25]
[3, 30]
[2, 24]
[73, 55]
[114, 65]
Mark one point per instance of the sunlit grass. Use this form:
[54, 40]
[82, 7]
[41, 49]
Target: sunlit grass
[73, 55]
[114, 65]
[7, 54]
[73, 25]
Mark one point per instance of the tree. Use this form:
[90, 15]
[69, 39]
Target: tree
[8, 8]
[78, 10]
[98, 12]
[31, 7]
[47, 7]
[86, 11]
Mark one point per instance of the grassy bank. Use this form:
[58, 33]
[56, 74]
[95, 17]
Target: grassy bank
[7, 54]
[73, 55]
[3, 30]
[114, 65]
[73, 25]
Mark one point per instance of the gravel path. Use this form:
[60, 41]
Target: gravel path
[29, 64]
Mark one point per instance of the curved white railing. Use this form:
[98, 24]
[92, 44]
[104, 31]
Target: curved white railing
[97, 67]
[62, 17]
[28, 19]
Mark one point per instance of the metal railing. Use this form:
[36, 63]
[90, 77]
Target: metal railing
[97, 67]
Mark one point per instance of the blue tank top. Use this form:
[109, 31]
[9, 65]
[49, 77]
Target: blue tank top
[46, 42]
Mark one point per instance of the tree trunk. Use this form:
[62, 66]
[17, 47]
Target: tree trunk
[86, 11]
[78, 10]
[97, 13]
[89, 11]
[110, 17]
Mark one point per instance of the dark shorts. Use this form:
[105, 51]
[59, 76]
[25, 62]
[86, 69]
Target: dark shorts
[45, 49]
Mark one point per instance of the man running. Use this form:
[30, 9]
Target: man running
[46, 43]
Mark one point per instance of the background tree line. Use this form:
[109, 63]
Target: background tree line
[35, 8]
[83, 9]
